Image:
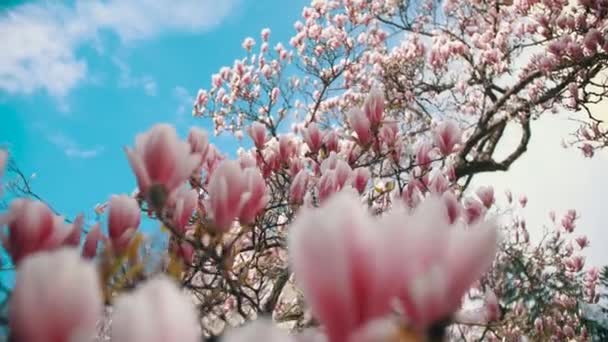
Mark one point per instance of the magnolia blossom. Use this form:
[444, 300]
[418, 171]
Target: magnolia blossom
[185, 203]
[254, 197]
[123, 220]
[56, 298]
[360, 178]
[257, 132]
[336, 261]
[32, 227]
[162, 162]
[89, 248]
[447, 136]
[298, 187]
[199, 141]
[486, 195]
[374, 107]
[351, 266]
[443, 260]
[313, 137]
[225, 191]
[156, 312]
[361, 125]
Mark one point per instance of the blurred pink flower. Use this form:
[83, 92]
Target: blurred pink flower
[486, 195]
[257, 132]
[186, 202]
[254, 197]
[199, 142]
[360, 177]
[225, 191]
[337, 264]
[442, 261]
[56, 298]
[123, 220]
[161, 162]
[32, 227]
[89, 248]
[298, 187]
[361, 125]
[374, 107]
[174, 318]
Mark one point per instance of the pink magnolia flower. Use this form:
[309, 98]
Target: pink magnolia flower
[374, 107]
[74, 238]
[492, 307]
[343, 172]
[575, 263]
[388, 133]
[274, 94]
[439, 184]
[350, 267]
[588, 150]
[89, 248]
[331, 141]
[313, 137]
[199, 141]
[186, 202]
[423, 151]
[254, 197]
[453, 206]
[174, 318]
[447, 136]
[486, 195]
[582, 241]
[441, 260]
[298, 187]
[248, 43]
[360, 177]
[161, 162]
[568, 221]
[257, 132]
[56, 298]
[287, 148]
[265, 34]
[338, 266]
[123, 220]
[32, 227]
[327, 185]
[523, 200]
[225, 191]
[474, 210]
[361, 125]
[412, 195]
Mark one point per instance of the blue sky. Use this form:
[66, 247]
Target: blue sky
[80, 79]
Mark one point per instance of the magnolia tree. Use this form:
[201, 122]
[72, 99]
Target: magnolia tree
[351, 216]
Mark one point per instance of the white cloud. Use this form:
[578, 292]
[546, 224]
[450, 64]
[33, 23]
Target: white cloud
[183, 112]
[40, 41]
[72, 149]
[127, 80]
[184, 99]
